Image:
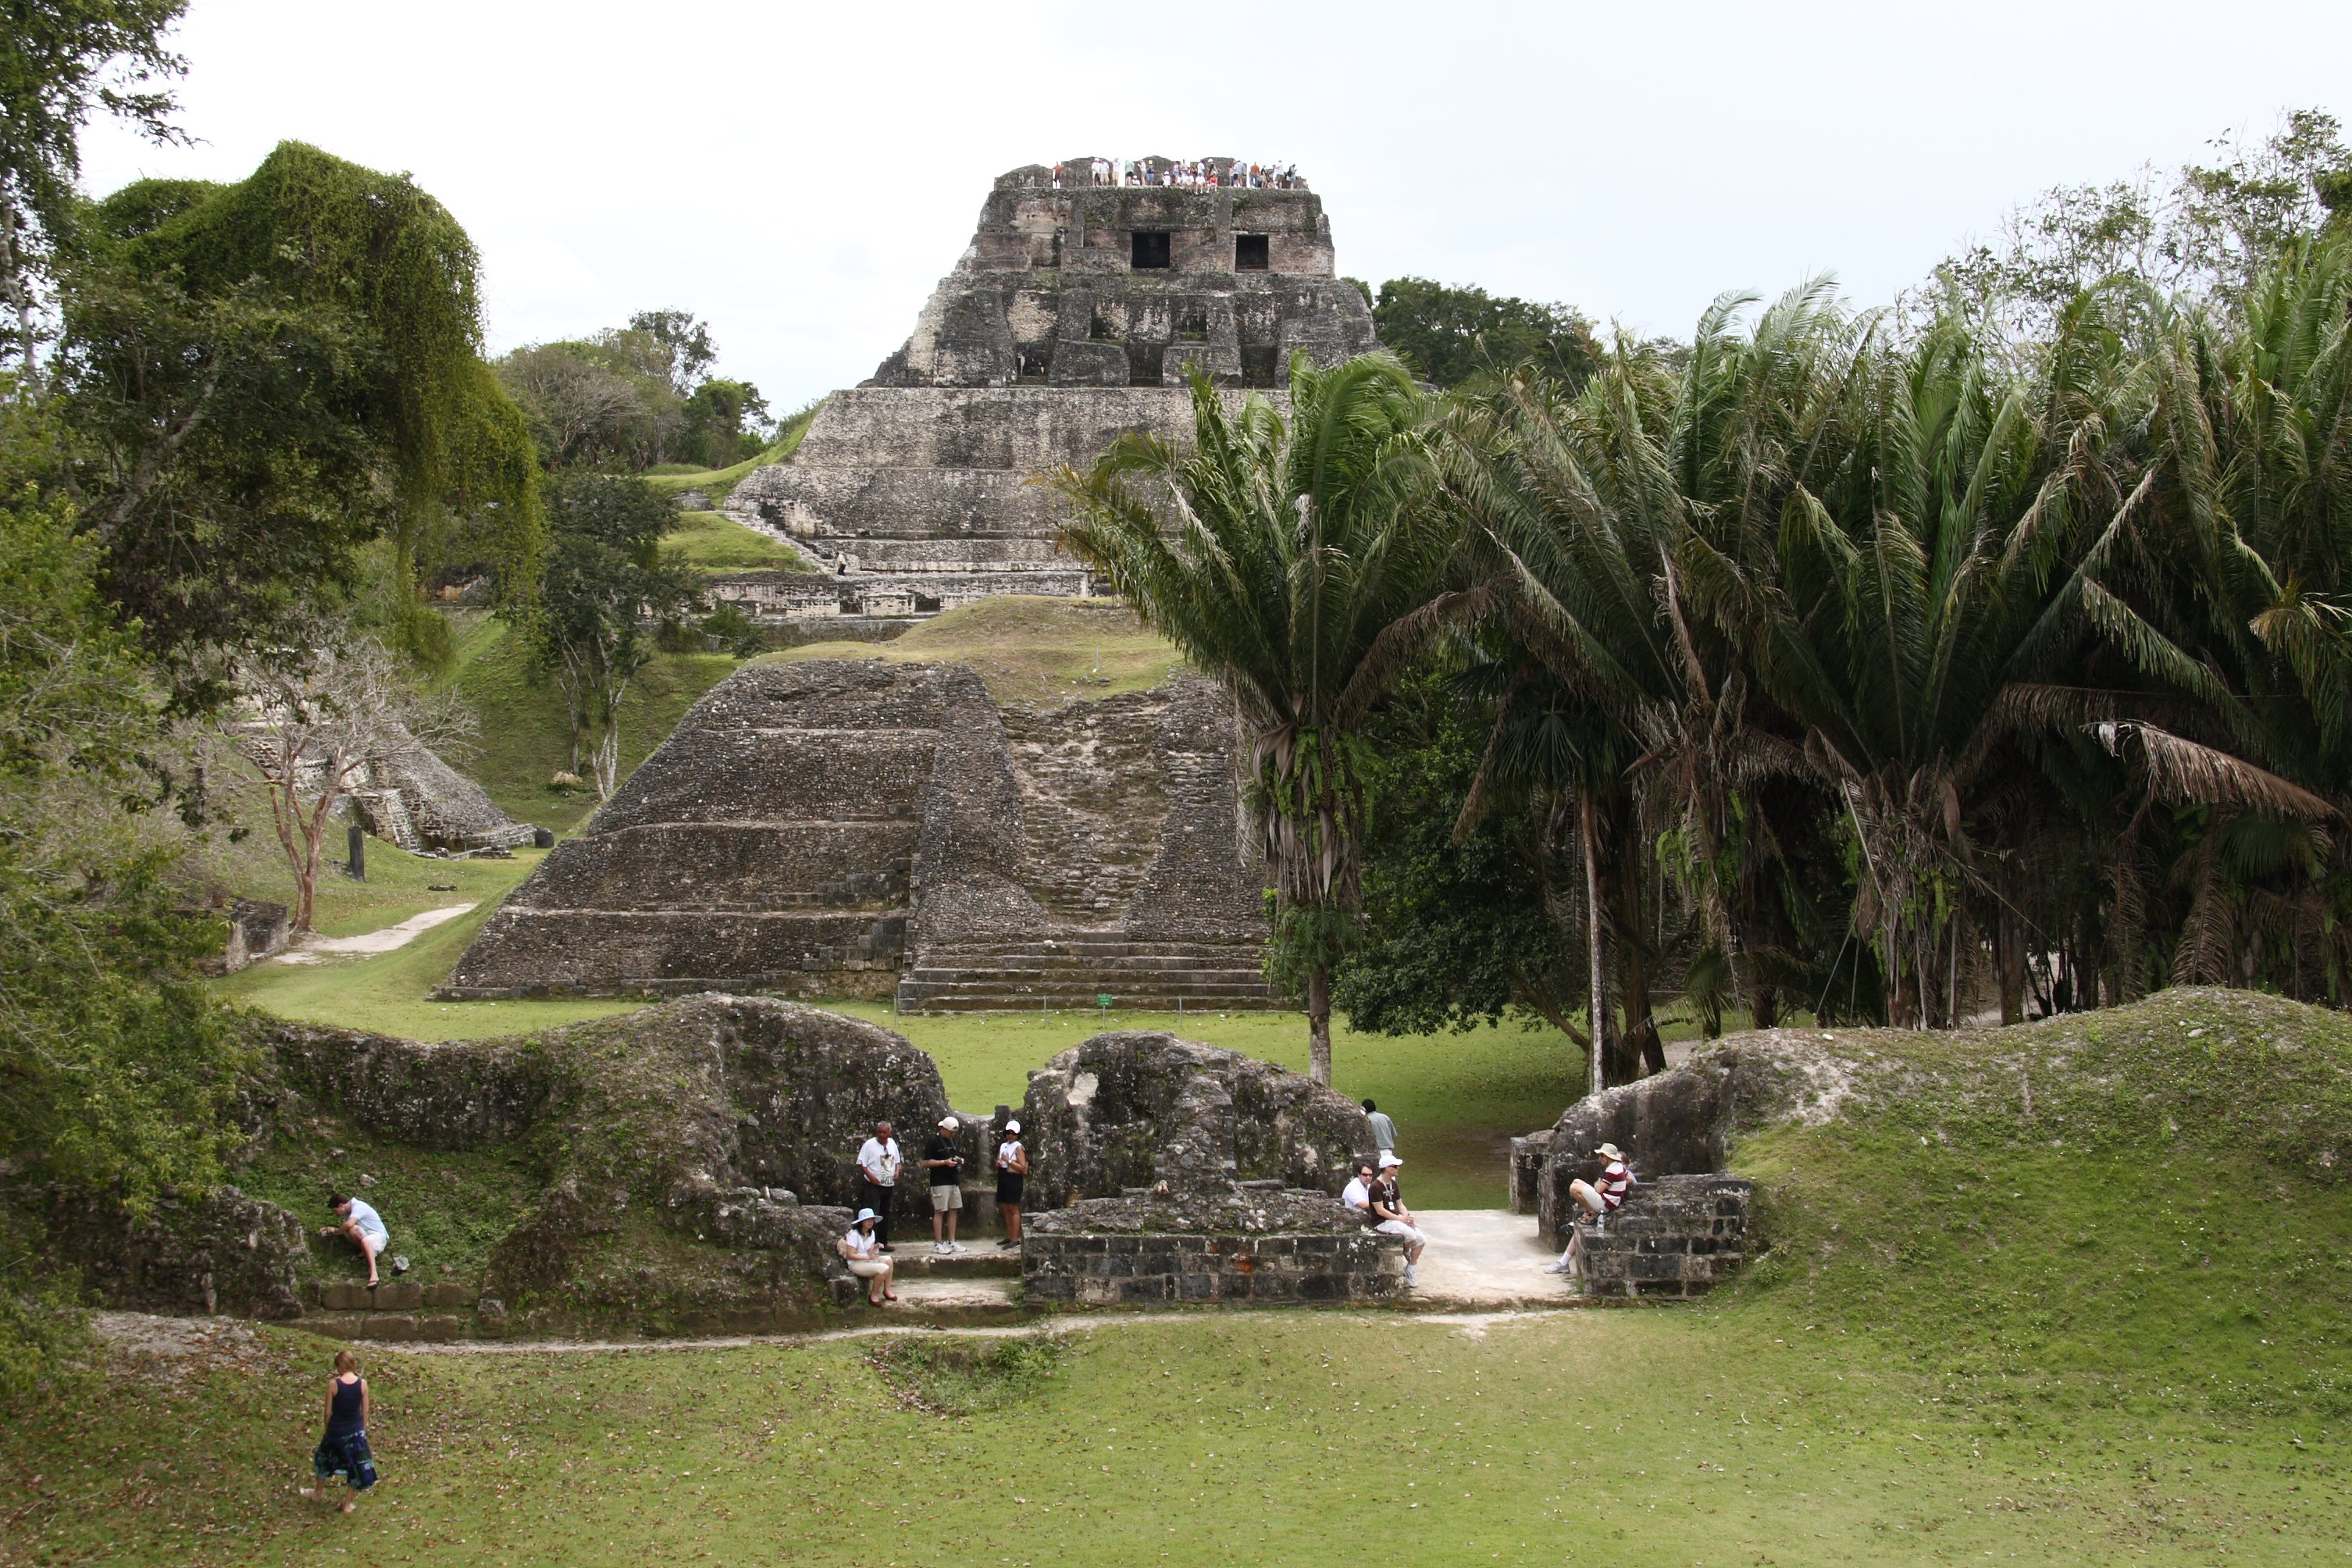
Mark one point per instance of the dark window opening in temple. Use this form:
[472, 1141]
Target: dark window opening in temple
[1151, 250]
[1033, 364]
[1101, 330]
[1250, 253]
[853, 605]
[925, 606]
[1195, 326]
[1143, 365]
[1257, 364]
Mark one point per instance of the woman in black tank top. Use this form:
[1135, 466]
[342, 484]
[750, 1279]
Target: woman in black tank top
[343, 1451]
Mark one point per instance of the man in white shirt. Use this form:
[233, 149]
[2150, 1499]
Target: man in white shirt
[877, 1177]
[361, 1225]
[1358, 1194]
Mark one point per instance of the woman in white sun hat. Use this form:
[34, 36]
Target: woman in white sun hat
[862, 1251]
[1595, 1200]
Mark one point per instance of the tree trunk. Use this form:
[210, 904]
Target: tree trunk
[1767, 1008]
[1598, 1077]
[1640, 1050]
[2008, 960]
[1319, 1025]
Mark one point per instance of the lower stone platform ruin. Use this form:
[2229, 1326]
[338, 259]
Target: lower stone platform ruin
[859, 827]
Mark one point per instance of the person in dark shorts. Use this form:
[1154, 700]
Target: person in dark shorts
[1011, 1173]
[343, 1451]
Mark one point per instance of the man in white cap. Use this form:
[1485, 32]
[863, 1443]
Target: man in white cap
[863, 1251]
[1595, 1202]
[944, 1160]
[1395, 1219]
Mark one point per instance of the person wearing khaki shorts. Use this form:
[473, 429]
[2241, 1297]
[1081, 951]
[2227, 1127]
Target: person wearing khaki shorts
[943, 1160]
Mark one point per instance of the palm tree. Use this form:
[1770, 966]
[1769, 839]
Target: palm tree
[1300, 565]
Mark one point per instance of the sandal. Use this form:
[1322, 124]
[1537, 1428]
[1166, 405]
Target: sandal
[889, 1295]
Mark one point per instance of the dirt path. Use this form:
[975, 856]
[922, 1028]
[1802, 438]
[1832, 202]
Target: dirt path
[314, 949]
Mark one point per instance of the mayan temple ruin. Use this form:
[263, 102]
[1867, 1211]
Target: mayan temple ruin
[832, 827]
[1078, 312]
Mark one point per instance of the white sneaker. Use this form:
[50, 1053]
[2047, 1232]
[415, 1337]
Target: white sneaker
[1412, 1277]
[955, 1247]
[940, 1250]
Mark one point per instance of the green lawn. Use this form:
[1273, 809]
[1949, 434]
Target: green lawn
[713, 541]
[524, 740]
[1030, 651]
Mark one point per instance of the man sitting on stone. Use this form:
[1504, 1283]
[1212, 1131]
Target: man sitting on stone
[361, 1225]
[1395, 1219]
[942, 1160]
[862, 1248]
[1594, 1203]
[1358, 1194]
[877, 1177]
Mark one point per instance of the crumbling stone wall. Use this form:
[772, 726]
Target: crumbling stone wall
[1676, 1237]
[222, 1252]
[1134, 1108]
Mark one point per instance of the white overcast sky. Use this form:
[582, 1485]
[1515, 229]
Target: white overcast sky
[800, 175]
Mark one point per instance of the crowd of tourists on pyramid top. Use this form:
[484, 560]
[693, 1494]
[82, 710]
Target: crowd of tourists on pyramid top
[1229, 173]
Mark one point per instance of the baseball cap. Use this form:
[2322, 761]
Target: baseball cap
[1388, 1159]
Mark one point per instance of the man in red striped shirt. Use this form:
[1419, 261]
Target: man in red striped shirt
[1597, 1200]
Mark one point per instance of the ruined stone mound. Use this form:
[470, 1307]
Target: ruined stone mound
[1132, 1111]
[419, 802]
[735, 1120]
[808, 824]
[1077, 313]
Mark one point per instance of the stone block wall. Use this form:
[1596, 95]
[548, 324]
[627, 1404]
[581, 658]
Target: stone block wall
[1676, 1237]
[1154, 1270]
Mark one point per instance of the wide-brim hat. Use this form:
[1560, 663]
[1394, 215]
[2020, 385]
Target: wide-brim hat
[864, 1214]
[1610, 1151]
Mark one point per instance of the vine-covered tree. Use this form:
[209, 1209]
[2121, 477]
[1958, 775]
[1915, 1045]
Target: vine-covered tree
[261, 377]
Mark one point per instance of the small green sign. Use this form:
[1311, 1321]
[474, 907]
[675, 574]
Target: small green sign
[1102, 1000]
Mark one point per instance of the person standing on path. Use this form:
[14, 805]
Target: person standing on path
[944, 1160]
[1395, 1219]
[1595, 1202]
[1384, 1129]
[343, 1451]
[1011, 1175]
[877, 1175]
[861, 1249]
[361, 1225]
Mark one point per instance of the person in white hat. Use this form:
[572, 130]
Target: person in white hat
[1395, 1219]
[1012, 1172]
[862, 1251]
[1596, 1201]
[942, 1158]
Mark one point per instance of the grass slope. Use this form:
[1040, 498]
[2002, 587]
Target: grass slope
[712, 541]
[524, 740]
[716, 483]
[2139, 1359]
[1030, 651]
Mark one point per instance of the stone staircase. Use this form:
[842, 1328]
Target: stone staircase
[1073, 973]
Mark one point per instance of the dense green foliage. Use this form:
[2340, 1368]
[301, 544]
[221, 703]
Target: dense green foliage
[637, 397]
[605, 576]
[62, 62]
[260, 378]
[1450, 334]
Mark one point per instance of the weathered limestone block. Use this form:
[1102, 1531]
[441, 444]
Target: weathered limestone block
[1259, 1243]
[222, 1252]
[1100, 1116]
[460, 1094]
